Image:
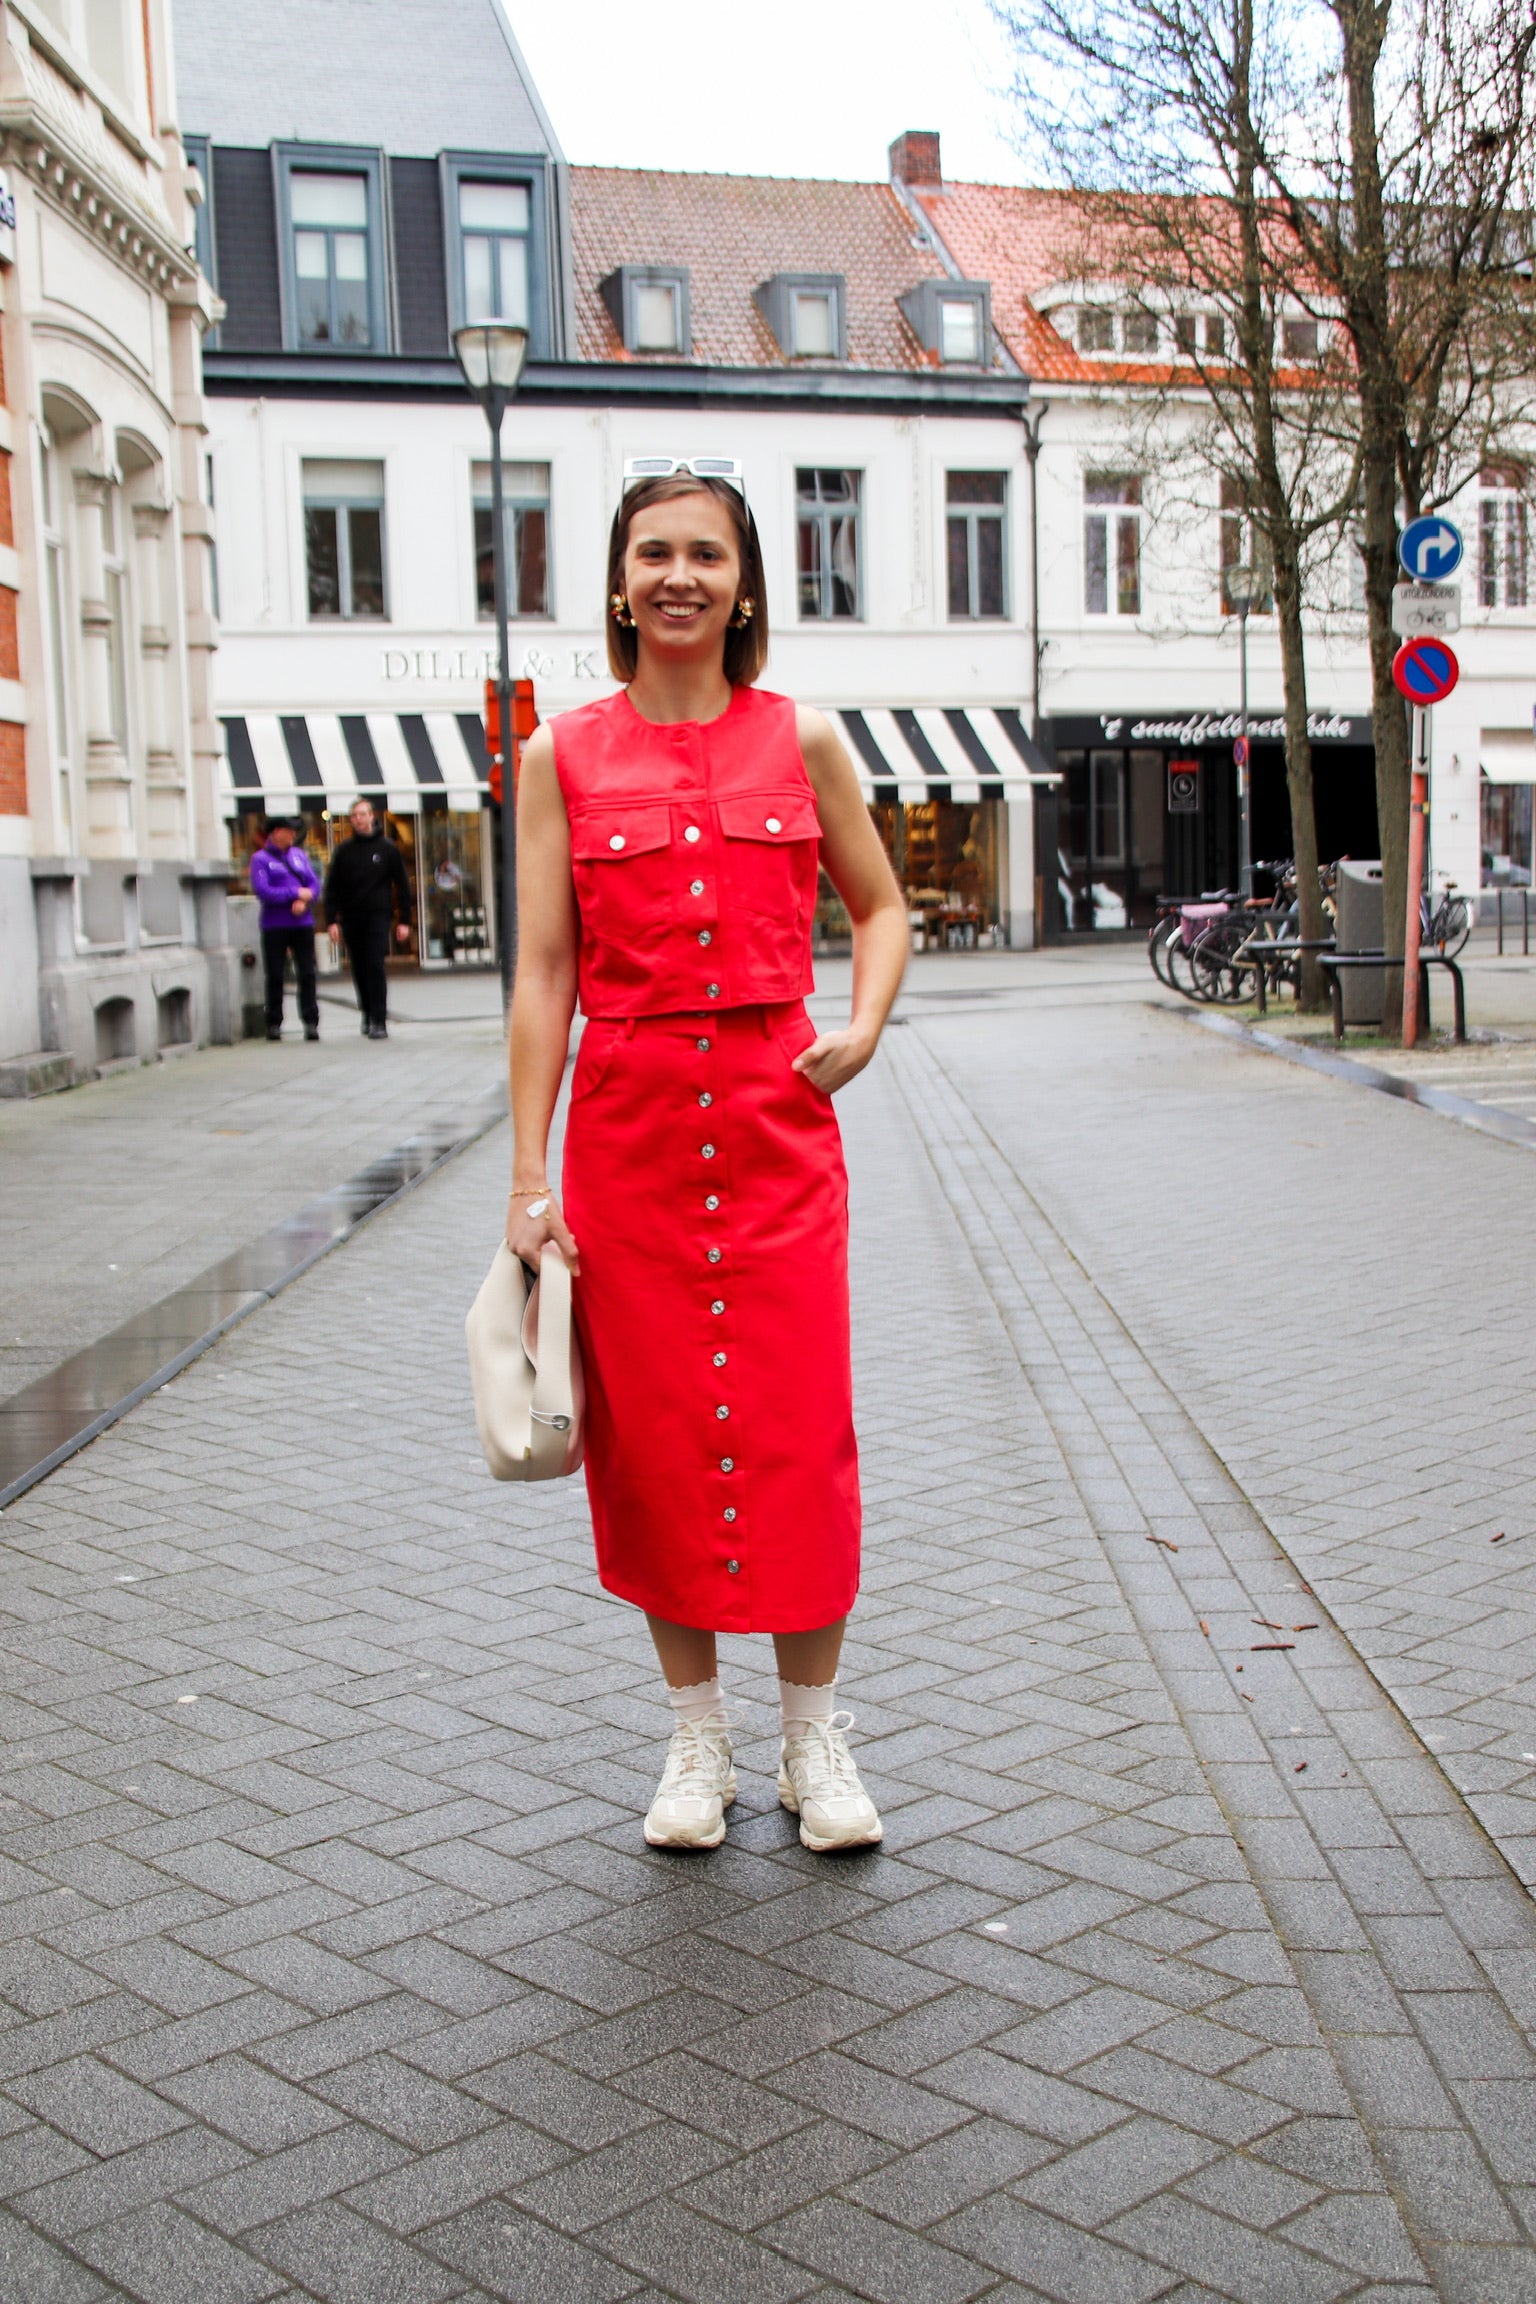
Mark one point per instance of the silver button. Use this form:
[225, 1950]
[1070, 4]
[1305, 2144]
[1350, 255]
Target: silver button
[692, 832]
[702, 1046]
[730, 1512]
[718, 1306]
[705, 936]
[727, 1463]
[706, 1099]
[722, 1412]
[707, 1151]
[695, 887]
[712, 1200]
[732, 1567]
[719, 1359]
[714, 1255]
[617, 841]
[774, 825]
[712, 991]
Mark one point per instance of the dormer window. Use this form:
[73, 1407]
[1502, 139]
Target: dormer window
[952, 318]
[1095, 329]
[649, 307]
[331, 241]
[1138, 332]
[807, 312]
[1299, 339]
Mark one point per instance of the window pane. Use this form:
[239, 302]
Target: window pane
[493, 207]
[1215, 334]
[512, 275]
[321, 555]
[1300, 339]
[959, 567]
[1139, 332]
[309, 257]
[1128, 566]
[1096, 564]
[530, 559]
[989, 566]
[367, 541]
[1518, 555]
[117, 656]
[656, 318]
[479, 304]
[828, 487]
[1184, 335]
[1108, 808]
[1112, 488]
[485, 566]
[845, 567]
[814, 333]
[976, 487]
[959, 328]
[353, 323]
[339, 200]
[351, 256]
[808, 555]
[1095, 330]
[328, 480]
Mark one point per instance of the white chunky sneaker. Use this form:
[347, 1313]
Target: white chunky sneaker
[697, 1786]
[819, 1783]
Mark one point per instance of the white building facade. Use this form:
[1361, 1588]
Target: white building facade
[113, 945]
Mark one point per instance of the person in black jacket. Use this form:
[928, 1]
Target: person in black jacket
[366, 880]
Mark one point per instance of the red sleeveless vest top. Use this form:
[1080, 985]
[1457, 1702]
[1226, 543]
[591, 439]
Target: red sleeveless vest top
[694, 852]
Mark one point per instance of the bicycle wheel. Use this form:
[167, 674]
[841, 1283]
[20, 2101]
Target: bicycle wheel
[1180, 972]
[1162, 934]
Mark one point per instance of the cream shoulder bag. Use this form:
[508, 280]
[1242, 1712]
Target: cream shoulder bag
[525, 1369]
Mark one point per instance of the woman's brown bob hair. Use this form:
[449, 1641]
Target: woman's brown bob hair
[746, 646]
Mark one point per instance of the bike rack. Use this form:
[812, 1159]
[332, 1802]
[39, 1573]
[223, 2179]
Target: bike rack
[1427, 960]
[1525, 920]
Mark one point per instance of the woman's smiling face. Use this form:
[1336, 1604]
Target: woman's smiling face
[682, 572]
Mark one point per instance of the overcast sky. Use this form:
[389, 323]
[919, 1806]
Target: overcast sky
[790, 88]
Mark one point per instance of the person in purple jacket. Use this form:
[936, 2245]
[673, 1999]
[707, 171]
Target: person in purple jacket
[287, 885]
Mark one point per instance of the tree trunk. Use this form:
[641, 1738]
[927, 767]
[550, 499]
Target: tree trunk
[1313, 997]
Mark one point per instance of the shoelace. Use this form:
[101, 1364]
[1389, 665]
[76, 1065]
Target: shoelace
[830, 1763]
[694, 1756]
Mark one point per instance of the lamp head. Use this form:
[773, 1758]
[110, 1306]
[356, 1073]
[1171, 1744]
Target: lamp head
[491, 354]
[1243, 586]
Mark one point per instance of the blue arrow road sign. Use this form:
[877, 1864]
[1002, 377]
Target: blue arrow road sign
[1430, 549]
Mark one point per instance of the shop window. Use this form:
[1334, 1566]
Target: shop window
[1503, 537]
[525, 509]
[1506, 834]
[331, 205]
[828, 555]
[1112, 543]
[344, 539]
[976, 512]
[1243, 545]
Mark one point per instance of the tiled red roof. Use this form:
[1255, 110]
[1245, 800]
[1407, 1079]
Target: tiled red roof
[1023, 241]
[733, 232]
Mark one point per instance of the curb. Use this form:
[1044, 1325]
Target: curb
[1486, 1118]
[52, 1419]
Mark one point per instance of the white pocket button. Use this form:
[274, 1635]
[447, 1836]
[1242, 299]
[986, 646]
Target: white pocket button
[774, 825]
[693, 833]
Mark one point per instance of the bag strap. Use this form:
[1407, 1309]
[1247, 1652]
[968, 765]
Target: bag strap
[553, 1406]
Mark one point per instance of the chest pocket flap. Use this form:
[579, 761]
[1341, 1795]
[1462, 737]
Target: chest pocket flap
[773, 817]
[612, 835]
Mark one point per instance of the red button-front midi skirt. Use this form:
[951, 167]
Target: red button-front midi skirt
[705, 1186]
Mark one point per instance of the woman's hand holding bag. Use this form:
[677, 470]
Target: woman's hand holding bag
[525, 1368]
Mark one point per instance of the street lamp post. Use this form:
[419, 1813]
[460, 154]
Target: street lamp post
[491, 356]
[1242, 591]
[1032, 452]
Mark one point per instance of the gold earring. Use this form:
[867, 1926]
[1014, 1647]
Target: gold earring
[743, 615]
[619, 608]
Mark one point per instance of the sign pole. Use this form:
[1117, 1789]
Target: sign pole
[1418, 808]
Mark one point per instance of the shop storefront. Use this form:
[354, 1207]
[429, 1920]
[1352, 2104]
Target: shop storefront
[1147, 807]
[424, 775]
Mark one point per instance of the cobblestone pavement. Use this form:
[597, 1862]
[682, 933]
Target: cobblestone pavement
[120, 1191]
[332, 1962]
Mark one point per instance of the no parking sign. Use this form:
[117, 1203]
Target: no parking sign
[1425, 670]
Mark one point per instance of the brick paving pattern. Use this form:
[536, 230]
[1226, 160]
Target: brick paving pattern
[332, 1963]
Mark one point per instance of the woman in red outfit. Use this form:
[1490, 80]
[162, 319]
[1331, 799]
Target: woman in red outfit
[669, 840]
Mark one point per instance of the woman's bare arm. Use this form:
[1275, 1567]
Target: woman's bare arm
[858, 868]
[543, 994]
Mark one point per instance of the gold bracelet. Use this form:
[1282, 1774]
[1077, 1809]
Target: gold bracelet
[529, 1192]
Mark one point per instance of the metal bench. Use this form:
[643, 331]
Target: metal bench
[1336, 962]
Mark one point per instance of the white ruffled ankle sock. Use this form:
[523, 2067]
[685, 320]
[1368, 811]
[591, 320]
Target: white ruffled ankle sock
[798, 1707]
[703, 1701]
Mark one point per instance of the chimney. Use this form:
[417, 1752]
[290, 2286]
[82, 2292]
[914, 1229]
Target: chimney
[914, 158]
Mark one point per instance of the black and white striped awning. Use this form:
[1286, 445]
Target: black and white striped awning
[288, 759]
[942, 752]
[284, 759]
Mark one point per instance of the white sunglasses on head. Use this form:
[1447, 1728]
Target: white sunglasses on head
[727, 468]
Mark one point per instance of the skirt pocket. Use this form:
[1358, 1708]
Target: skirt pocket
[601, 1041]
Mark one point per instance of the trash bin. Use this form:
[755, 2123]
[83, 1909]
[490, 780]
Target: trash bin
[1357, 894]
